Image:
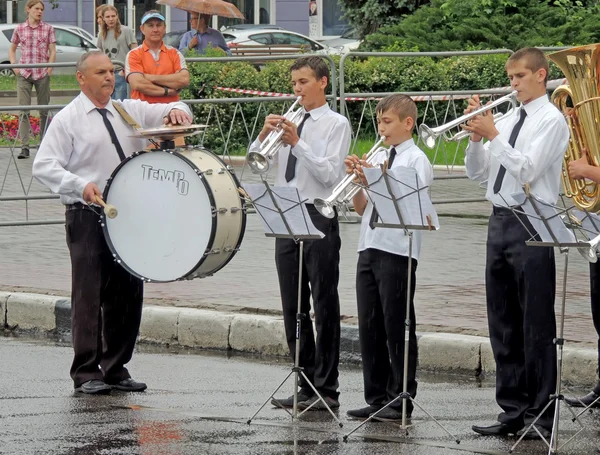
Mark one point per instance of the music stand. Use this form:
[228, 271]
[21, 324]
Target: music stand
[284, 216]
[554, 227]
[402, 203]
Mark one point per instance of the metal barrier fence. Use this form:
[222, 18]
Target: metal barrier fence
[31, 191]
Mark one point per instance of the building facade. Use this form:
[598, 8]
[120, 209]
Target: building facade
[318, 19]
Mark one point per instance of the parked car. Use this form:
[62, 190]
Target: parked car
[349, 41]
[270, 36]
[78, 30]
[174, 38]
[70, 45]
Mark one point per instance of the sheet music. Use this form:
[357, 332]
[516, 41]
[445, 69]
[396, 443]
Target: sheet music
[413, 201]
[560, 232]
[288, 200]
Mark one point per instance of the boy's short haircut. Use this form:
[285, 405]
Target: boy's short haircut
[316, 64]
[401, 105]
[534, 59]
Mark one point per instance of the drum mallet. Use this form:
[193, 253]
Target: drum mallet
[109, 210]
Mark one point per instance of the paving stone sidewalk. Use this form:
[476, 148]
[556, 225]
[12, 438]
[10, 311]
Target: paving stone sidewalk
[450, 293]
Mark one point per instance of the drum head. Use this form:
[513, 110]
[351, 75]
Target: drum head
[164, 223]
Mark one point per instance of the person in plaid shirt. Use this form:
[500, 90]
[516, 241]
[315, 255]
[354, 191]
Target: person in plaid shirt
[38, 45]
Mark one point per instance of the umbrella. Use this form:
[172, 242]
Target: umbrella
[212, 7]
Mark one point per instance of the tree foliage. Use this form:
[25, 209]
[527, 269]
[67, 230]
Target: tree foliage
[368, 15]
[491, 24]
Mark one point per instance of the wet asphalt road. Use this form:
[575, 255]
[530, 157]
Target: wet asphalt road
[39, 414]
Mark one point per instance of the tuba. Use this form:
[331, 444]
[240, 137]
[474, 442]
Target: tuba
[580, 102]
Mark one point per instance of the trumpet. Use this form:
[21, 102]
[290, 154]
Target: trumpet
[259, 161]
[590, 251]
[326, 206]
[430, 135]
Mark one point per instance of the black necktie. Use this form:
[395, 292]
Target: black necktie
[375, 215]
[290, 169]
[111, 131]
[511, 141]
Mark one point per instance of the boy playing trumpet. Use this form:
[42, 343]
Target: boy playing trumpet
[313, 162]
[382, 269]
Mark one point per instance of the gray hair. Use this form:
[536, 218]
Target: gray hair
[81, 63]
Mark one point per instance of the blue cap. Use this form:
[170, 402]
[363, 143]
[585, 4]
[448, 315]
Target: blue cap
[153, 16]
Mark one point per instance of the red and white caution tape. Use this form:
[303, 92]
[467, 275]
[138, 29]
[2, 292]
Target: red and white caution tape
[554, 83]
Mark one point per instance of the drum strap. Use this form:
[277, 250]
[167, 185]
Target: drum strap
[128, 118]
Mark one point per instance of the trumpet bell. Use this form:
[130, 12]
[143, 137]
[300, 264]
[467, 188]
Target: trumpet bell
[428, 135]
[589, 254]
[324, 207]
[258, 162]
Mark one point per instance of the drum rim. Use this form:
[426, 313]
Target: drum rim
[243, 209]
[213, 230]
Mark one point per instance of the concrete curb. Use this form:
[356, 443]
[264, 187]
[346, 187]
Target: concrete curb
[263, 334]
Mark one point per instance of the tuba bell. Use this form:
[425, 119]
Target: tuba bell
[580, 102]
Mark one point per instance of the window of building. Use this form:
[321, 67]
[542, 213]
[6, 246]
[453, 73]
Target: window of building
[333, 24]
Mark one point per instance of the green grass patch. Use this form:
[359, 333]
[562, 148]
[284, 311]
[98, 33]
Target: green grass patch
[57, 82]
[445, 153]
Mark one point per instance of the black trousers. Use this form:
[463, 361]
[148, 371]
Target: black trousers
[106, 303]
[520, 289]
[381, 285]
[595, 300]
[320, 276]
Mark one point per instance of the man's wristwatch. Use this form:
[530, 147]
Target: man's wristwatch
[166, 91]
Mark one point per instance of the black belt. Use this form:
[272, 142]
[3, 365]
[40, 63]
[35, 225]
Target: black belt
[497, 210]
[78, 206]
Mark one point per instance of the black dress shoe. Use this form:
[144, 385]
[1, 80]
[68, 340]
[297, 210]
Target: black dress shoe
[24, 154]
[497, 429]
[584, 401]
[94, 387]
[532, 434]
[289, 401]
[391, 415]
[363, 413]
[129, 385]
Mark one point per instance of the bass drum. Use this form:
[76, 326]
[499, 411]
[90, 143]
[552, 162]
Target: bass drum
[180, 214]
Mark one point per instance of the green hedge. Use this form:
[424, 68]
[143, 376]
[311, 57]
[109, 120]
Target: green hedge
[362, 75]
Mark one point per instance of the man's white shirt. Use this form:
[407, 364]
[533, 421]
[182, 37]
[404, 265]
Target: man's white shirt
[321, 151]
[536, 157]
[77, 148]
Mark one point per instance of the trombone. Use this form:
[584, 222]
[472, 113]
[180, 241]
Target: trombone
[430, 135]
[259, 161]
[326, 206]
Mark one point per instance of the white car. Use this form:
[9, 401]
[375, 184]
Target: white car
[269, 37]
[71, 43]
[348, 42]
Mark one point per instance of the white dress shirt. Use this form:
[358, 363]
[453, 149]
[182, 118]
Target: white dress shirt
[321, 151]
[388, 239]
[535, 159]
[77, 148]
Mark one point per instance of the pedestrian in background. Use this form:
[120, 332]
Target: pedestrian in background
[37, 43]
[202, 36]
[116, 41]
[99, 20]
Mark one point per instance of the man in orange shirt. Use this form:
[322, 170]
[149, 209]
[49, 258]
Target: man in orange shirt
[156, 72]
